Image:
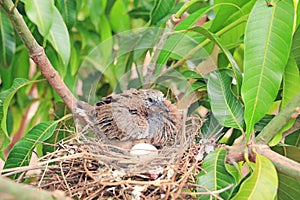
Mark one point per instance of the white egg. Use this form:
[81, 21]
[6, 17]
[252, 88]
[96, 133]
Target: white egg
[144, 151]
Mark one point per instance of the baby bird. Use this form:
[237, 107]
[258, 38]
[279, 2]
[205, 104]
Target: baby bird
[132, 117]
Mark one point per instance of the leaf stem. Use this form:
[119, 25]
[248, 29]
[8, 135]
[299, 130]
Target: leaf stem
[186, 6]
[279, 121]
[282, 163]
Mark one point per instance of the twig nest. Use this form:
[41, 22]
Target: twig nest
[144, 151]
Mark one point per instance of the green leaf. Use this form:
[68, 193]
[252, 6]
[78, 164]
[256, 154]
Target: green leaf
[288, 187]
[228, 11]
[97, 10]
[106, 37]
[296, 46]
[260, 125]
[227, 109]
[140, 12]
[7, 41]
[291, 82]
[288, 151]
[278, 137]
[215, 39]
[97, 60]
[21, 153]
[293, 139]
[160, 10]
[119, 18]
[59, 38]
[262, 183]
[41, 14]
[67, 9]
[75, 58]
[214, 175]
[298, 15]
[21, 60]
[5, 99]
[56, 60]
[268, 39]
[174, 41]
[211, 127]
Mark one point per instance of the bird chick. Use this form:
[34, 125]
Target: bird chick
[132, 117]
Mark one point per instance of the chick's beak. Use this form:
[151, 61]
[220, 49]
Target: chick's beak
[163, 106]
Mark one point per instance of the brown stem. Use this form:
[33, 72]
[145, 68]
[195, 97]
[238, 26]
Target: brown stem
[282, 163]
[294, 128]
[38, 55]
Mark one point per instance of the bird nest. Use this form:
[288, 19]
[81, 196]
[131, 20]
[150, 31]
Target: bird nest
[80, 174]
[77, 169]
[142, 159]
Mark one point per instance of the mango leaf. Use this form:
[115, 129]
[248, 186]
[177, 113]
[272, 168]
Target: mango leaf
[59, 38]
[291, 152]
[56, 60]
[278, 137]
[227, 109]
[291, 81]
[298, 15]
[174, 40]
[97, 10]
[160, 10]
[75, 58]
[20, 59]
[5, 99]
[294, 138]
[117, 13]
[67, 9]
[260, 125]
[215, 176]
[21, 153]
[228, 11]
[215, 39]
[140, 12]
[296, 45]
[262, 183]
[106, 37]
[268, 40]
[7, 41]
[288, 187]
[211, 127]
[41, 14]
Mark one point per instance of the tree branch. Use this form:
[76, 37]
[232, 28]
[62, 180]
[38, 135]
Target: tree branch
[282, 163]
[12, 190]
[38, 55]
[279, 121]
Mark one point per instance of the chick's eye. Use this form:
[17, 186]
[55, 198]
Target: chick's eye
[150, 100]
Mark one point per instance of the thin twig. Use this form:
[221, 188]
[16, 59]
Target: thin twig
[213, 193]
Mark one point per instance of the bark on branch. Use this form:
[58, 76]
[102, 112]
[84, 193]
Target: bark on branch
[283, 164]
